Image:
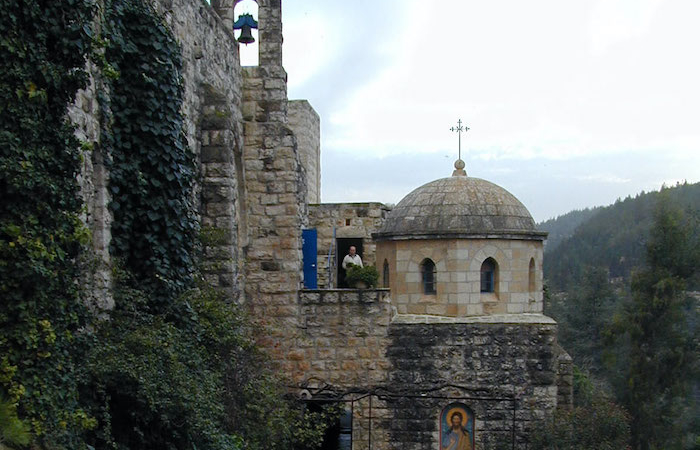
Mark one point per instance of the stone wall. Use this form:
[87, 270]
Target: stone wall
[344, 334]
[93, 180]
[306, 124]
[251, 193]
[565, 379]
[350, 220]
[508, 369]
[212, 108]
[342, 346]
[505, 372]
[275, 194]
[458, 264]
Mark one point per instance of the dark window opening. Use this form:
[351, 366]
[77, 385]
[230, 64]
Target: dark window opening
[385, 274]
[343, 247]
[428, 274]
[338, 436]
[488, 275]
[531, 275]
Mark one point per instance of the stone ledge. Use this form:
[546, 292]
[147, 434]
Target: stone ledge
[323, 296]
[526, 318]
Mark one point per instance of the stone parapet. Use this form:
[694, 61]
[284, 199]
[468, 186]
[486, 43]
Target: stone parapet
[306, 124]
[343, 334]
[565, 379]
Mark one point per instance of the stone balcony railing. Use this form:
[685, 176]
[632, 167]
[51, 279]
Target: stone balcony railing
[331, 296]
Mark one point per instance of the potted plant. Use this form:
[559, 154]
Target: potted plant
[362, 277]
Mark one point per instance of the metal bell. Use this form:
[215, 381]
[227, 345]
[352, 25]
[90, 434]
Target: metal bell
[245, 23]
[246, 36]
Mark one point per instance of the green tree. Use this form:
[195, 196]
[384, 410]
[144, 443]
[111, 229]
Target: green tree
[595, 423]
[655, 344]
[584, 316]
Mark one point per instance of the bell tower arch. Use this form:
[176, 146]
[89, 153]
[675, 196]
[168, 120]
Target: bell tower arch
[269, 27]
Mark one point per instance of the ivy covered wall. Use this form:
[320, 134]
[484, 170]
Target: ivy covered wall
[43, 48]
[158, 372]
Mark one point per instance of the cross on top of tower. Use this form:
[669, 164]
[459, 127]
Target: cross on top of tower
[459, 164]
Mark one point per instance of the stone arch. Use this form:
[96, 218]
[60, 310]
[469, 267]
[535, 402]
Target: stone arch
[489, 251]
[249, 53]
[269, 27]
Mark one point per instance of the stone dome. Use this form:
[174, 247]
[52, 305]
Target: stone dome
[459, 207]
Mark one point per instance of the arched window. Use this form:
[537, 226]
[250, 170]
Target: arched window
[531, 275]
[428, 275]
[385, 274]
[489, 275]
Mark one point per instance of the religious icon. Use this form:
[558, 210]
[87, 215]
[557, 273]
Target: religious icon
[457, 427]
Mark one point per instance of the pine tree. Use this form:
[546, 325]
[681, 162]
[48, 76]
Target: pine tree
[655, 342]
[586, 316]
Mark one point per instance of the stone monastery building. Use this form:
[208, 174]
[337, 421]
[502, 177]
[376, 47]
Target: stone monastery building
[452, 352]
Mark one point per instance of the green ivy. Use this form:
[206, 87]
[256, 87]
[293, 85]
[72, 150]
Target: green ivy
[152, 169]
[43, 48]
[172, 367]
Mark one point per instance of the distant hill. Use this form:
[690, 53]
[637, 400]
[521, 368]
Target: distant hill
[612, 237]
[564, 226]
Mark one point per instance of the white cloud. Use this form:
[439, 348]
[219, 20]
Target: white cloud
[566, 94]
[603, 178]
[614, 21]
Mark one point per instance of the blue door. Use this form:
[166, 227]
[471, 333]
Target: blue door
[308, 247]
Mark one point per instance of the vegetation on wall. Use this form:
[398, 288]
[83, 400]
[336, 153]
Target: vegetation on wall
[174, 364]
[43, 48]
[152, 168]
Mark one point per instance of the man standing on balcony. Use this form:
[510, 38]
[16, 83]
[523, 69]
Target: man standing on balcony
[352, 258]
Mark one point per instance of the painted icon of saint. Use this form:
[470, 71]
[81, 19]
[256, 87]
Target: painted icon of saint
[457, 429]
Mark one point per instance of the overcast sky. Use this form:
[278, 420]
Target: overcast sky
[570, 104]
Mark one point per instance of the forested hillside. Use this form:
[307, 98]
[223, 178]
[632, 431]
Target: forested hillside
[620, 288]
[563, 227]
[612, 237]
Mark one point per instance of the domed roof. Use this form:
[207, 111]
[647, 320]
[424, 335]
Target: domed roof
[459, 207]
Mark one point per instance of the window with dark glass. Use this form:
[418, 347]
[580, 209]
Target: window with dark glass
[488, 275]
[385, 274]
[531, 275]
[429, 277]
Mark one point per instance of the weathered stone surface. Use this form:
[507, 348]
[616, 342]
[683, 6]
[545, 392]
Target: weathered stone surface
[504, 372]
[459, 206]
[306, 124]
[517, 281]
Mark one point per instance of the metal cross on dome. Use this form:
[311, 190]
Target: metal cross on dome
[459, 128]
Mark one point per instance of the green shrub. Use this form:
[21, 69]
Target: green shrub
[367, 274]
[12, 430]
[600, 425]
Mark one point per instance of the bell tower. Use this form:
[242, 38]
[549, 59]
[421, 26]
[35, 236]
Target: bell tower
[269, 26]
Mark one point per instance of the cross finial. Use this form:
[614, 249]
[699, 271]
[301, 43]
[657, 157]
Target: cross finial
[459, 128]
[459, 164]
